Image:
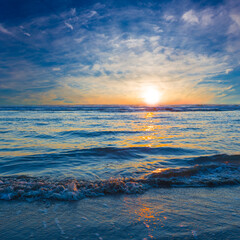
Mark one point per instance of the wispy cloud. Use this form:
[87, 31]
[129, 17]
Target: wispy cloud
[27, 34]
[80, 39]
[236, 18]
[190, 17]
[169, 18]
[119, 51]
[56, 69]
[228, 70]
[4, 30]
[69, 25]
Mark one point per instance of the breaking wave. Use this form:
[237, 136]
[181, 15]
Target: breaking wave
[211, 171]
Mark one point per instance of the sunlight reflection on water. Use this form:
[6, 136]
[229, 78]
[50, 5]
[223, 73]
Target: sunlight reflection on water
[113, 140]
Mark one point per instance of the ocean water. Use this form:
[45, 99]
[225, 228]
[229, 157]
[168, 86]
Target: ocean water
[69, 153]
[120, 172]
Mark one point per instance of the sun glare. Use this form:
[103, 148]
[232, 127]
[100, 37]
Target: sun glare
[151, 96]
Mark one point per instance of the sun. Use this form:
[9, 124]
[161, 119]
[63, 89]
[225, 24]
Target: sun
[151, 96]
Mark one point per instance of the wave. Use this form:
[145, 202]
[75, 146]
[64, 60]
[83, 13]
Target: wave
[71, 158]
[210, 171]
[87, 154]
[130, 151]
[82, 133]
[124, 108]
[221, 158]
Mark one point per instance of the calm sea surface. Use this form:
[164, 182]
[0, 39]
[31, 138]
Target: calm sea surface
[70, 153]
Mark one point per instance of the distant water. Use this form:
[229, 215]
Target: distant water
[74, 152]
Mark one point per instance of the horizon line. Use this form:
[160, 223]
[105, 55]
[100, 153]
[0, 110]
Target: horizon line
[108, 105]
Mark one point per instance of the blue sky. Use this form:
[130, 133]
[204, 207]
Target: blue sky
[109, 52]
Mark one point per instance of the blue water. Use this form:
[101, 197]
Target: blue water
[73, 152]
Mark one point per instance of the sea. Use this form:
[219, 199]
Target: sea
[120, 172]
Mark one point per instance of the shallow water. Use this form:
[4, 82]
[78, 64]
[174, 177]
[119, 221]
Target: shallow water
[69, 153]
[176, 213]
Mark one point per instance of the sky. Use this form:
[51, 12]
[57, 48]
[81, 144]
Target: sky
[109, 52]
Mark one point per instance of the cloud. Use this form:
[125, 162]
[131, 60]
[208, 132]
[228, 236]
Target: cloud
[91, 14]
[27, 34]
[69, 25]
[169, 18]
[206, 17]
[4, 30]
[79, 40]
[234, 28]
[190, 17]
[55, 69]
[133, 43]
[73, 11]
[58, 99]
[235, 18]
[157, 29]
[119, 72]
[228, 70]
[118, 52]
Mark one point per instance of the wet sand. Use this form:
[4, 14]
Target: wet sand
[177, 213]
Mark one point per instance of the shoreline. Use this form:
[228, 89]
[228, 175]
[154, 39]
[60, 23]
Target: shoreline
[189, 213]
